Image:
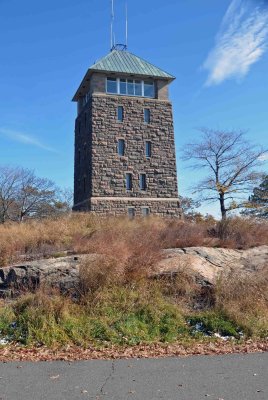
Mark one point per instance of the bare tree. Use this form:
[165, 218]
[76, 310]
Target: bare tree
[36, 196]
[9, 188]
[188, 206]
[66, 196]
[23, 195]
[230, 161]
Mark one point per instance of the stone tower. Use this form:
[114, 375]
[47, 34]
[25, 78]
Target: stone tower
[124, 139]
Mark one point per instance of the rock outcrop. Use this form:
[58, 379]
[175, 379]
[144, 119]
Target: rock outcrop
[209, 262]
[63, 273]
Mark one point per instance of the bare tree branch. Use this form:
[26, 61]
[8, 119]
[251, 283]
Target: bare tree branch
[230, 161]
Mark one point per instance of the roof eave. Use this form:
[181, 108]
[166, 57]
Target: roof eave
[81, 86]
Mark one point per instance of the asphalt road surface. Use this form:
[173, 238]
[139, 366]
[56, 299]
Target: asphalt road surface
[230, 377]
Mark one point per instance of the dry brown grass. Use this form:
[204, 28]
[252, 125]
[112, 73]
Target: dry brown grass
[241, 233]
[185, 234]
[128, 251]
[34, 239]
[131, 242]
[245, 299]
[181, 287]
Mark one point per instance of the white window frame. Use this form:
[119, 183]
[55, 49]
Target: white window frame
[135, 95]
[110, 77]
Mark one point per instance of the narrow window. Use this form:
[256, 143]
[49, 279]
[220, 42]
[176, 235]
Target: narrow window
[147, 115]
[149, 89]
[111, 85]
[79, 127]
[131, 212]
[85, 119]
[84, 185]
[142, 181]
[120, 113]
[129, 181]
[121, 147]
[148, 149]
[123, 86]
[79, 157]
[145, 212]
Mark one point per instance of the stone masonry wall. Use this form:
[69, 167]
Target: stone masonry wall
[83, 155]
[115, 207]
[109, 169]
[98, 83]
[100, 173]
[162, 90]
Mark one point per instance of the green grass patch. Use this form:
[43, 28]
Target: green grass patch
[209, 323]
[114, 315]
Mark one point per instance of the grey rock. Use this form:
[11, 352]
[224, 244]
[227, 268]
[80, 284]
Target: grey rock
[61, 273]
[205, 263]
[210, 262]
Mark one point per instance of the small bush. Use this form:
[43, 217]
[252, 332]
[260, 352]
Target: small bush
[184, 234]
[241, 233]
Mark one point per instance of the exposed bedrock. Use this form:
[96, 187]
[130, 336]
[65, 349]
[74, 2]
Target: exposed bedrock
[205, 262]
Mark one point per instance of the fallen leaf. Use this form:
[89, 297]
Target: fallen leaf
[55, 377]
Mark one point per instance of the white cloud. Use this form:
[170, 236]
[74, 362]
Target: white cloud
[240, 42]
[24, 138]
[264, 157]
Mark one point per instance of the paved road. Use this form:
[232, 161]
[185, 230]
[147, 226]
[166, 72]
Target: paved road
[231, 377]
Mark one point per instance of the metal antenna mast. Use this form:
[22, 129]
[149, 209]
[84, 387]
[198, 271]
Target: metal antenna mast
[112, 26]
[126, 25]
[114, 45]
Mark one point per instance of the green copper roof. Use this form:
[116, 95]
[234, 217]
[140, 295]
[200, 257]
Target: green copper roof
[128, 63]
[122, 62]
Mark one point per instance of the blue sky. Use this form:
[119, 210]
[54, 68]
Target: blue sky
[216, 49]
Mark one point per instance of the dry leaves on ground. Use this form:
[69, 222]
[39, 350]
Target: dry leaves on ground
[15, 353]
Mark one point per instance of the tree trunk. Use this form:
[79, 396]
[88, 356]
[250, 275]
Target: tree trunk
[223, 209]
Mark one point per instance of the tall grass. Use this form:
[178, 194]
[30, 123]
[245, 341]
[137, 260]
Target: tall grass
[118, 302]
[244, 299]
[134, 242]
[143, 311]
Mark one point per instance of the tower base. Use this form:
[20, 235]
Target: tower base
[122, 206]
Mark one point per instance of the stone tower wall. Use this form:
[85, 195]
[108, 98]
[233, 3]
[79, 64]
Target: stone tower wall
[100, 173]
[109, 169]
